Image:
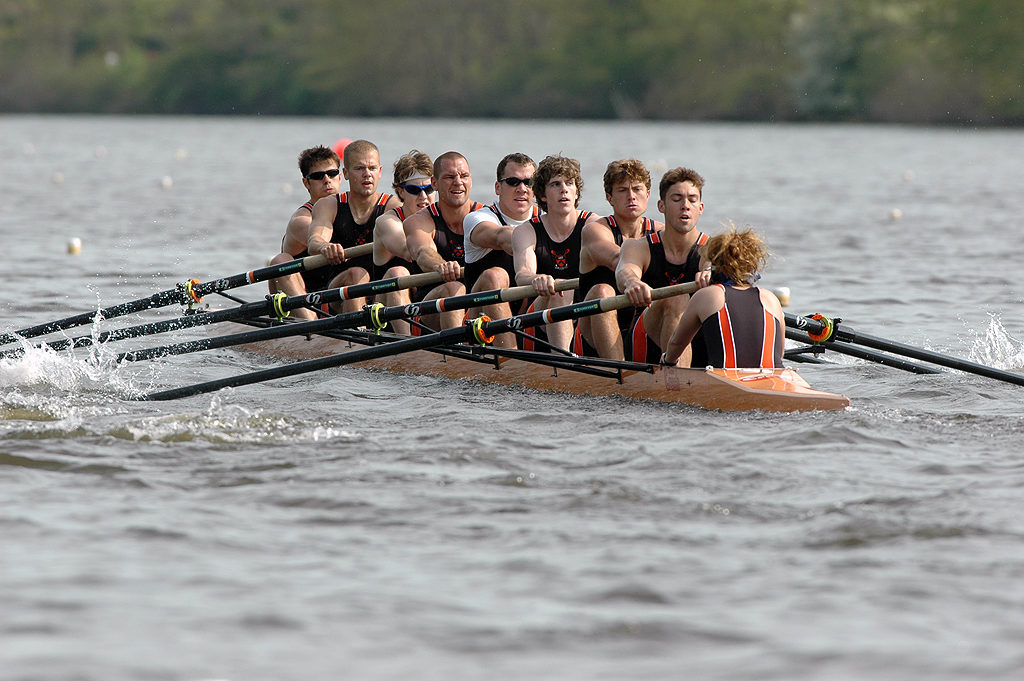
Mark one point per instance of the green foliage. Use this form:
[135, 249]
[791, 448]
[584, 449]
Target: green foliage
[947, 61]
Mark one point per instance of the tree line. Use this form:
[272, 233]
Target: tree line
[916, 61]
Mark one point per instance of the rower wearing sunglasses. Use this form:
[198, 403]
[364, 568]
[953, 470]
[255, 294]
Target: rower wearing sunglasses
[319, 170]
[488, 236]
[390, 250]
[347, 220]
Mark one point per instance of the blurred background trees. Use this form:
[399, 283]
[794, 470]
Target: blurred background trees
[927, 61]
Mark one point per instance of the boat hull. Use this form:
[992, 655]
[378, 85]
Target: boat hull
[777, 390]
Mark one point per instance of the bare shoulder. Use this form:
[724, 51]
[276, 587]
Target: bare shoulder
[771, 303]
[597, 230]
[420, 221]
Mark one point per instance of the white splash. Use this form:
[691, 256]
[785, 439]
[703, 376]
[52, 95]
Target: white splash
[995, 347]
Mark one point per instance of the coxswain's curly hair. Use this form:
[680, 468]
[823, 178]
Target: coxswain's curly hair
[413, 164]
[553, 166]
[738, 255]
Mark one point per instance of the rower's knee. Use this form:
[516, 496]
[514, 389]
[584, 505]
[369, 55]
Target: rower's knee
[395, 272]
[492, 278]
[281, 258]
[600, 291]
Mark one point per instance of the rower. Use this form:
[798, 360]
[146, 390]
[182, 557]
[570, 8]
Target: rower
[390, 251]
[434, 235]
[347, 220]
[488, 236]
[547, 247]
[733, 323]
[662, 259]
[320, 173]
[627, 187]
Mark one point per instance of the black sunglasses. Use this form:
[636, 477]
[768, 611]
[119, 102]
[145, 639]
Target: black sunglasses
[415, 189]
[516, 181]
[320, 174]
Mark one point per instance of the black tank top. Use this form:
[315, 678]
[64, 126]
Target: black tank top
[661, 272]
[742, 334]
[559, 259]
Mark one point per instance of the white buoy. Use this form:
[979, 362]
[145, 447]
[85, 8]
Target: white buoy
[58, 178]
[782, 293]
[896, 214]
[181, 154]
[287, 189]
[166, 182]
[74, 246]
[909, 176]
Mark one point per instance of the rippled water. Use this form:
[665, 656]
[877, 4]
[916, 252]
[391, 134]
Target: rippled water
[356, 524]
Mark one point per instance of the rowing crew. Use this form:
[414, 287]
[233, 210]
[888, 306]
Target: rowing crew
[536, 234]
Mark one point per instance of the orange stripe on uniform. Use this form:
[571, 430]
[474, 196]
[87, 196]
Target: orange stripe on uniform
[728, 343]
[768, 342]
[639, 336]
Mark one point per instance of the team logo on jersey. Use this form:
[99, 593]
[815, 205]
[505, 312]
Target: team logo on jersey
[561, 259]
[675, 279]
[458, 250]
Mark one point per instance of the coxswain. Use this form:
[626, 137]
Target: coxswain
[732, 323]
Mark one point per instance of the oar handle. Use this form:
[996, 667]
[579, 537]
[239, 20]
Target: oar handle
[312, 262]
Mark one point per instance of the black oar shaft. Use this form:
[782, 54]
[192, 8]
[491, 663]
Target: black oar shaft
[363, 317]
[863, 353]
[454, 335]
[254, 309]
[180, 295]
[844, 333]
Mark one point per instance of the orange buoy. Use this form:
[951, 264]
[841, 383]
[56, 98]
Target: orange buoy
[339, 146]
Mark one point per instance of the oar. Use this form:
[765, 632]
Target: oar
[185, 293]
[826, 330]
[279, 305]
[480, 331]
[376, 316]
[861, 353]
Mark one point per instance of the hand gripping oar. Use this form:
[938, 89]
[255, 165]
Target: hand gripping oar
[186, 293]
[376, 316]
[278, 304]
[823, 330]
[481, 330]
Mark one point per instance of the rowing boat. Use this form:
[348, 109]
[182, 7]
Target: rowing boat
[776, 390]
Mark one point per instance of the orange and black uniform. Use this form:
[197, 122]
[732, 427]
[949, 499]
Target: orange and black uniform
[604, 275]
[559, 259]
[349, 233]
[660, 272]
[742, 334]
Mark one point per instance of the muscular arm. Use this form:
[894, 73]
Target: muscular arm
[297, 233]
[598, 247]
[487, 234]
[634, 259]
[322, 228]
[389, 239]
[419, 236]
[702, 305]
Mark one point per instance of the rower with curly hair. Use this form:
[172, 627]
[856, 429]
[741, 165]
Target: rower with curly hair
[732, 323]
